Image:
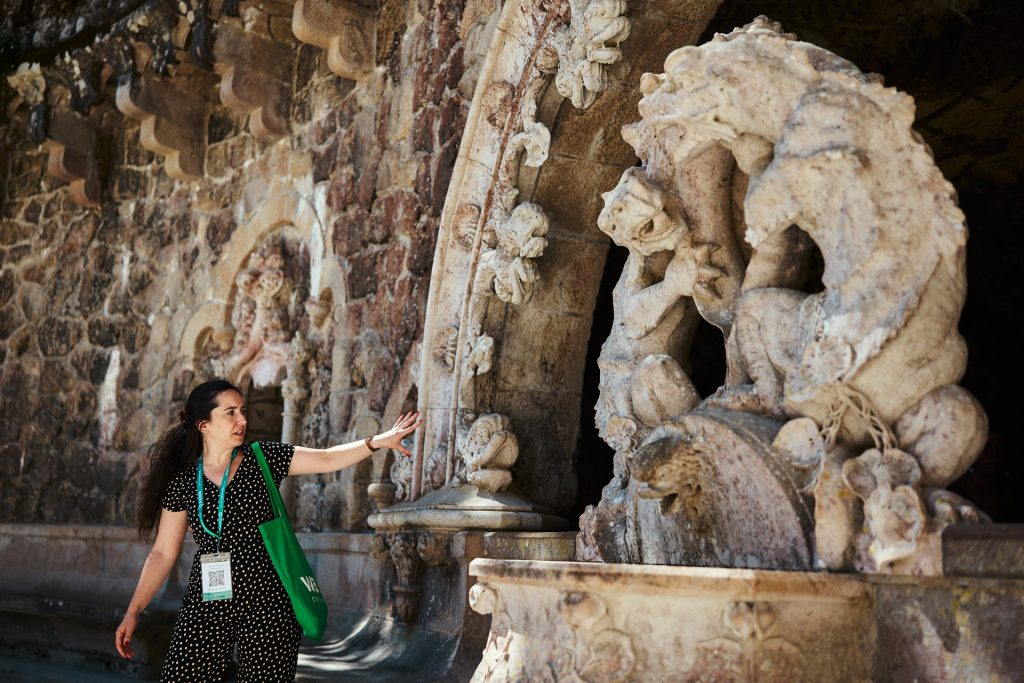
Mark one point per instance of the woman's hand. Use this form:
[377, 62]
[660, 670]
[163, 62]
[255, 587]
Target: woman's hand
[404, 426]
[123, 637]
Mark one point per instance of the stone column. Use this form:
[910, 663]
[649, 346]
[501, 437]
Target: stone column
[294, 392]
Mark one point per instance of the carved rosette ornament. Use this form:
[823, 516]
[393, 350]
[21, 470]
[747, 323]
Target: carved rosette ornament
[748, 650]
[854, 386]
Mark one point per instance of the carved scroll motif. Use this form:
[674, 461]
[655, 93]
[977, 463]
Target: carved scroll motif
[601, 653]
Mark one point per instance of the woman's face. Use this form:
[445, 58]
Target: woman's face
[227, 422]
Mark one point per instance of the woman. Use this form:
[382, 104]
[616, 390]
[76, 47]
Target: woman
[204, 458]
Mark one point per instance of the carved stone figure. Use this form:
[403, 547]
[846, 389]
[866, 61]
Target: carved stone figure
[859, 378]
[489, 449]
[596, 30]
[268, 308]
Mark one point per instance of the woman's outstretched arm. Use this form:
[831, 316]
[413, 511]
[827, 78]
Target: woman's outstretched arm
[170, 535]
[321, 460]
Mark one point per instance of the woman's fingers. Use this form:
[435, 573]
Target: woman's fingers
[123, 641]
[405, 419]
[411, 428]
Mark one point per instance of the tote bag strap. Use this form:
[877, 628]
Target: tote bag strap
[275, 495]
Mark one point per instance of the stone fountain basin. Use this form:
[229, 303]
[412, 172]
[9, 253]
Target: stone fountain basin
[572, 621]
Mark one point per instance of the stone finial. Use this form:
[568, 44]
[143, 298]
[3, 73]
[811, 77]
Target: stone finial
[347, 31]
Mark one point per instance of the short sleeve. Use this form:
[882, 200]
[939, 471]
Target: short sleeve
[175, 496]
[279, 458]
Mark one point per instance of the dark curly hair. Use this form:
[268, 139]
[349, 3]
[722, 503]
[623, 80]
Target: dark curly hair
[179, 446]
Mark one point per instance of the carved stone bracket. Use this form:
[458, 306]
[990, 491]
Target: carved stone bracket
[71, 141]
[348, 33]
[434, 548]
[255, 73]
[70, 138]
[173, 122]
[406, 551]
[590, 44]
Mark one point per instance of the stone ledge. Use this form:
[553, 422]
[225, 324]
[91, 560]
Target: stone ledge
[984, 550]
[738, 584]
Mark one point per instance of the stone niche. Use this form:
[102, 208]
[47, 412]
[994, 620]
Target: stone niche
[269, 292]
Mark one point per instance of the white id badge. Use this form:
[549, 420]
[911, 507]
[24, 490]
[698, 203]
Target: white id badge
[216, 569]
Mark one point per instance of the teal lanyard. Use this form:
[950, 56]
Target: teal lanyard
[220, 502]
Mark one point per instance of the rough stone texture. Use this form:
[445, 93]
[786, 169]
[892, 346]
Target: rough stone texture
[136, 277]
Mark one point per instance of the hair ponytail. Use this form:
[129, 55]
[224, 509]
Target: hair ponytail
[178, 447]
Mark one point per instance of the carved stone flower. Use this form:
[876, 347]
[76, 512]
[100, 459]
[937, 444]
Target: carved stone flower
[520, 238]
[893, 511]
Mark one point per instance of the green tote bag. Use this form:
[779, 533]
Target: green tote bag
[290, 562]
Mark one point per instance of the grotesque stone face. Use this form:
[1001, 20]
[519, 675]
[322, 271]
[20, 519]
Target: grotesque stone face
[635, 216]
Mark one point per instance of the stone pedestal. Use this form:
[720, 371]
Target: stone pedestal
[571, 621]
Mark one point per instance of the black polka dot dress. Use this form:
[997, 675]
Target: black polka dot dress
[259, 616]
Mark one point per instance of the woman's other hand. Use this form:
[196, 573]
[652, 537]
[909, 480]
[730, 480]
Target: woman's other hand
[123, 637]
[404, 426]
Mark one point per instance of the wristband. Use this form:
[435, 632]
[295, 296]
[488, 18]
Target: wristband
[369, 445]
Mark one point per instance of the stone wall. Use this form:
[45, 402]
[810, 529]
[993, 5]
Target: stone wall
[94, 303]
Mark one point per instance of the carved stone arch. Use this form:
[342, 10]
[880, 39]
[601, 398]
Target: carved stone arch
[206, 325]
[210, 337]
[519, 256]
[289, 211]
